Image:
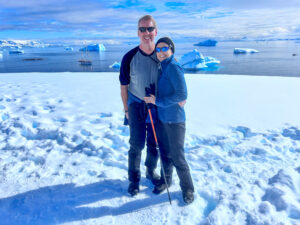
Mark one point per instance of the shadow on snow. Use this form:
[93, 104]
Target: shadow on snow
[66, 203]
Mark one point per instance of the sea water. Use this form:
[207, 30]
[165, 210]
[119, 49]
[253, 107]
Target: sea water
[275, 58]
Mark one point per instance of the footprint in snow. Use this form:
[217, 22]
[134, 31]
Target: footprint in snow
[61, 120]
[124, 131]
[245, 131]
[35, 124]
[292, 132]
[5, 116]
[86, 133]
[103, 115]
[50, 108]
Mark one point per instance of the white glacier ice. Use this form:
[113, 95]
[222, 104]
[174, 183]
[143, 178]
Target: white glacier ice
[244, 50]
[93, 48]
[207, 43]
[20, 43]
[194, 60]
[115, 65]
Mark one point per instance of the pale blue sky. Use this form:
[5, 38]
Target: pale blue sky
[77, 19]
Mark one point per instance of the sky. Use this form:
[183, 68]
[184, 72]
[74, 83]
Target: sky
[112, 20]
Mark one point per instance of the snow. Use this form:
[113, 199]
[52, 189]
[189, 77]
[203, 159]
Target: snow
[63, 152]
[244, 50]
[20, 43]
[207, 43]
[94, 47]
[194, 60]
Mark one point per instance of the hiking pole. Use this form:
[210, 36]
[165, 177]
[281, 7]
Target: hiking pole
[157, 147]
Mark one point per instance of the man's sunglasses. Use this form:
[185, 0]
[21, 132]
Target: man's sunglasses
[162, 49]
[143, 29]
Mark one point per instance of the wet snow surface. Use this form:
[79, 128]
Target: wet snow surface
[63, 159]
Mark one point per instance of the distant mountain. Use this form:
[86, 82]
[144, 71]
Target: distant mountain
[21, 43]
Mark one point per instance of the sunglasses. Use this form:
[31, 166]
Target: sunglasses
[162, 49]
[143, 29]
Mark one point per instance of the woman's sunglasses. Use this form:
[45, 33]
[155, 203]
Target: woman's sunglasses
[143, 29]
[162, 49]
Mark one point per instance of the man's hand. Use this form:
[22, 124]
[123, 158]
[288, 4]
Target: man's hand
[150, 99]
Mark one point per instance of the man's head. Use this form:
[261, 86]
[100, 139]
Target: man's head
[147, 29]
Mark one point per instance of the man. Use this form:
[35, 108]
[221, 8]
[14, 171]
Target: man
[139, 69]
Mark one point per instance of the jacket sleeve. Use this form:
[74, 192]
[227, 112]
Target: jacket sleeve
[176, 78]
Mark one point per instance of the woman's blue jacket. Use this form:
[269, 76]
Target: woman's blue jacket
[171, 89]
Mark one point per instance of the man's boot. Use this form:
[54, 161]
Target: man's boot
[133, 188]
[159, 188]
[152, 176]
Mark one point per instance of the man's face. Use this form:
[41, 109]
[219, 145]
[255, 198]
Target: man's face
[147, 37]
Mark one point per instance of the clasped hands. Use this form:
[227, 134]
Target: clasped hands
[151, 99]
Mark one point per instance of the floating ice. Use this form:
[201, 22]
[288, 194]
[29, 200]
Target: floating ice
[207, 43]
[194, 60]
[115, 65]
[244, 50]
[93, 48]
[17, 51]
[69, 49]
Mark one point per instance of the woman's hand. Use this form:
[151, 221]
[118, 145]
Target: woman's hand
[150, 99]
[181, 104]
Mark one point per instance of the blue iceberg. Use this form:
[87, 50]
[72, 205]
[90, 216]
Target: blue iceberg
[207, 43]
[244, 51]
[93, 48]
[17, 51]
[69, 49]
[115, 65]
[194, 60]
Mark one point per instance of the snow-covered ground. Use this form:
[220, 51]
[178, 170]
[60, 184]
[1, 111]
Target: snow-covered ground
[63, 152]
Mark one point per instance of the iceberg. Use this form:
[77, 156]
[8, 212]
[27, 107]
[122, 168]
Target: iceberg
[244, 50]
[93, 48]
[194, 60]
[17, 51]
[115, 65]
[69, 49]
[207, 43]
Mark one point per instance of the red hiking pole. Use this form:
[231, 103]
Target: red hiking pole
[157, 147]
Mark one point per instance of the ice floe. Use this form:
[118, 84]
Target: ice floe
[115, 65]
[244, 50]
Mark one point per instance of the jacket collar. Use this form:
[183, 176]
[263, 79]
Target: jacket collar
[165, 62]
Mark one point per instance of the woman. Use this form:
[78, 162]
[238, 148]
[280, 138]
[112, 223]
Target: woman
[170, 127]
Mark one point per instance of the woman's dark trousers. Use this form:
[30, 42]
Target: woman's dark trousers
[171, 144]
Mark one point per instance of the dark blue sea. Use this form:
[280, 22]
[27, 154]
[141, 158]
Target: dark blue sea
[275, 58]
